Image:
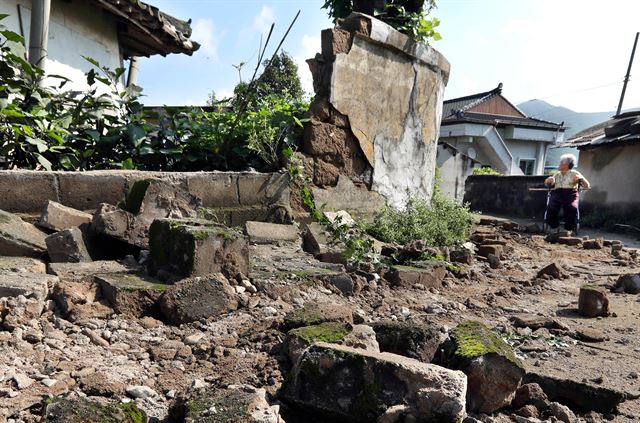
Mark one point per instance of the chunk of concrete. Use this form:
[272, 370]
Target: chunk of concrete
[493, 370]
[192, 247]
[68, 246]
[359, 386]
[151, 199]
[585, 395]
[22, 264]
[314, 313]
[198, 298]
[19, 238]
[413, 340]
[270, 233]
[84, 272]
[629, 284]
[408, 276]
[119, 224]
[30, 285]
[131, 295]
[57, 217]
[593, 301]
[238, 403]
[80, 410]
[346, 196]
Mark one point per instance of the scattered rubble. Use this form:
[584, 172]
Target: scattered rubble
[196, 320]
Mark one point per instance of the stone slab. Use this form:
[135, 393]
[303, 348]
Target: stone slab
[58, 217]
[268, 233]
[33, 285]
[22, 264]
[84, 272]
[19, 238]
[130, 294]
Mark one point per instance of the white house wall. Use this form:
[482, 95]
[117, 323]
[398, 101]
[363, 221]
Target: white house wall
[76, 29]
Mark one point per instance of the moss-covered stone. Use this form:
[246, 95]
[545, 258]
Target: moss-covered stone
[130, 294]
[194, 247]
[314, 313]
[332, 332]
[235, 404]
[83, 411]
[474, 339]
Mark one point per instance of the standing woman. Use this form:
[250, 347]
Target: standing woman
[566, 183]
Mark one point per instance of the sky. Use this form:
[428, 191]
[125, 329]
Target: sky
[571, 53]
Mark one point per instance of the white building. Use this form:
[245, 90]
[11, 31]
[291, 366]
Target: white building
[486, 130]
[109, 31]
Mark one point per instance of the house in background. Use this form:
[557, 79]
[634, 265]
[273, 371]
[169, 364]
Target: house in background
[59, 32]
[610, 160]
[486, 130]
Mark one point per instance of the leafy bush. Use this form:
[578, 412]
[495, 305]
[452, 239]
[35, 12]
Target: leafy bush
[407, 16]
[486, 171]
[441, 222]
[104, 127]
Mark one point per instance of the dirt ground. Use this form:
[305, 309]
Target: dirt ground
[246, 346]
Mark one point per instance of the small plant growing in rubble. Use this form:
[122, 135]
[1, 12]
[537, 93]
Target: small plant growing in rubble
[440, 222]
[486, 171]
[407, 16]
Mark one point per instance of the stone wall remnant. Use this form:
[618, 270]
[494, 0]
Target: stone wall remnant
[376, 115]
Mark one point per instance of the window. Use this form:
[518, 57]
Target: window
[527, 166]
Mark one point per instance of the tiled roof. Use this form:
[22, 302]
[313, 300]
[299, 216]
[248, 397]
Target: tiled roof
[147, 30]
[623, 128]
[458, 110]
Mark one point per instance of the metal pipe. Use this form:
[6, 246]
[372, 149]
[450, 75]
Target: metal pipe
[626, 78]
[134, 70]
[39, 31]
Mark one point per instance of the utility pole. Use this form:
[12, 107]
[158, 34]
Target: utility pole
[626, 78]
[39, 32]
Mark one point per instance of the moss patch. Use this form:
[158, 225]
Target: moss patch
[231, 407]
[474, 339]
[82, 411]
[331, 332]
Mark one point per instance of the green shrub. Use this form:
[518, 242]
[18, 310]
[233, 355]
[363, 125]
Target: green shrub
[485, 170]
[105, 126]
[442, 222]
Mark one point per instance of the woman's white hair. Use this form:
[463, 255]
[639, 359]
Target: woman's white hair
[569, 159]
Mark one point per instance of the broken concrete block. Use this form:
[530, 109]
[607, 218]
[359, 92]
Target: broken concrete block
[493, 370]
[344, 283]
[314, 313]
[341, 217]
[131, 295]
[79, 301]
[30, 285]
[299, 339]
[67, 246]
[553, 270]
[58, 217]
[530, 394]
[593, 301]
[192, 247]
[463, 255]
[19, 311]
[79, 410]
[22, 264]
[238, 403]
[592, 244]
[270, 233]
[317, 241]
[414, 340]
[629, 284]
[198, 298]
[495, 249]
[427, 276]
[19, 238]
[84, 272]
[359, 386]
[151, 199]
[119, 224]
[569, 240]
[585, 395]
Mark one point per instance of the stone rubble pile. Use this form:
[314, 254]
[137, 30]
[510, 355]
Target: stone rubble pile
[145, 312]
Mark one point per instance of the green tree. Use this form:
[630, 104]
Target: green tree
[281, 78]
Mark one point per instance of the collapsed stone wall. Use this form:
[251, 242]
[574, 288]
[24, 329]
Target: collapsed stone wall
[376, 114]
[233, 197]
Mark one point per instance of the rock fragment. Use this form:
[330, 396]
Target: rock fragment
[131, 295]
[19, 238]
[593, 302]
[57, 217]
[629, 284]
[68, 246]
[270, 233]
[413, 340]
